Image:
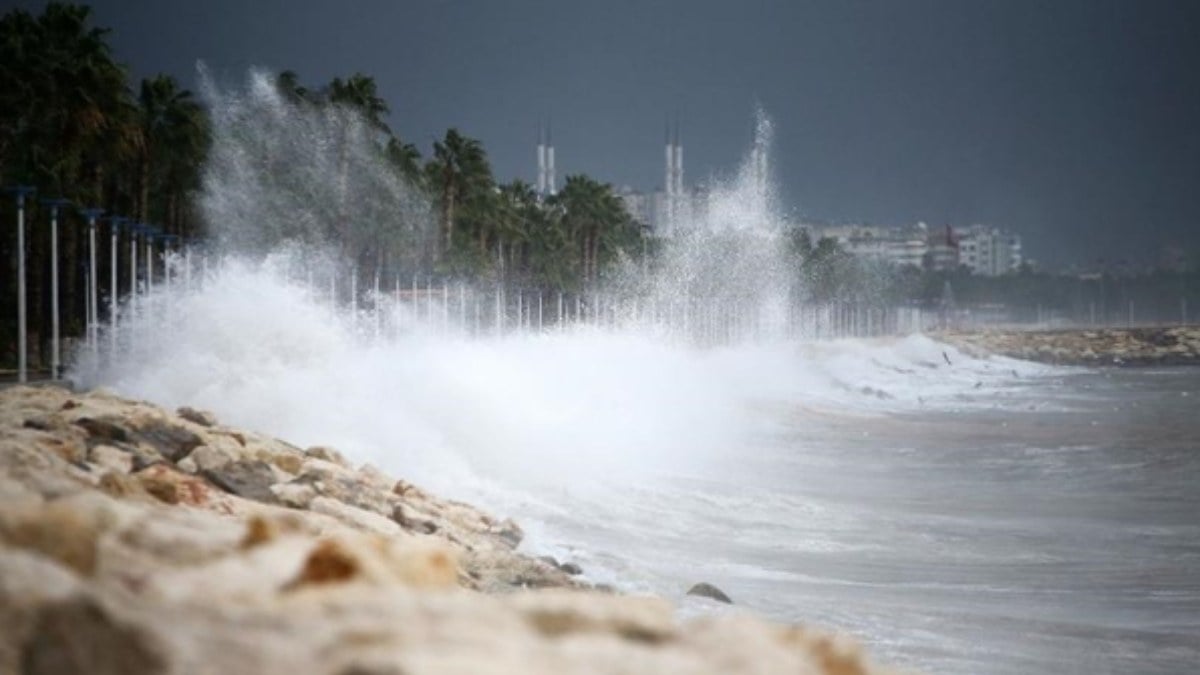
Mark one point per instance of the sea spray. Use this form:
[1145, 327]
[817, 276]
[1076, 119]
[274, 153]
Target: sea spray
[420, 382]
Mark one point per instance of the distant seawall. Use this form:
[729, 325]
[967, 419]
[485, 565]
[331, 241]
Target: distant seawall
[1163, 346]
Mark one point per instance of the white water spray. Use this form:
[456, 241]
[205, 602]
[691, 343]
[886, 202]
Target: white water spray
[438, 386]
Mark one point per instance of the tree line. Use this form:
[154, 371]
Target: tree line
[74, 126]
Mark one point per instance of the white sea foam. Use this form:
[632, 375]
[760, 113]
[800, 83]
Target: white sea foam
[551, 408]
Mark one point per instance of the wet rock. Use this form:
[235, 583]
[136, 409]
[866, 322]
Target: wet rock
[79, 635]
[174, 487]
[39, 422]
[412, 524]
[103, 429]
[565, 567]
[327, 454]
[294, 495]
[201, 417]
[284, 461]
[248, 479]
[65, 530]
[121, 486]
[344, 485]
[359, 519]
[172, 441]
[510, 533]
[208, 458]
[707, 590]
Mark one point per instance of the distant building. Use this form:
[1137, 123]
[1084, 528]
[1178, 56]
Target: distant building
[989, 251]
[942, 251]
[900, 246]
[986, 251]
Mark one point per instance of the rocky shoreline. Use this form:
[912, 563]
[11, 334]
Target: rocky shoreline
[139, 541]
[1167, 346]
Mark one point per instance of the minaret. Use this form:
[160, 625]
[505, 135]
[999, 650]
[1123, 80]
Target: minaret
[669, 179]
[551, 178]
[678, 191]
[541, 161]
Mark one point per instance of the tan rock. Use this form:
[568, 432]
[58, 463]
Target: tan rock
[295, 495]
[201, 417]
[109, 458]
[66, 530]
[327, 454]
[359, 519]
[208, 457]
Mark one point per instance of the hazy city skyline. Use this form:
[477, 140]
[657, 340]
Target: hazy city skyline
[1076, 124]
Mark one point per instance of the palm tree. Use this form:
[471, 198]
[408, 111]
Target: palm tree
[172, 139]
[406, 158]
[458, 172]
[598, 224]
[358, 92]
[288, 84]
[63, 102]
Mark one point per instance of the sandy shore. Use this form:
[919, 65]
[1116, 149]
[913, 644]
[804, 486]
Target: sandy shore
[1168, 346]
[136, 540]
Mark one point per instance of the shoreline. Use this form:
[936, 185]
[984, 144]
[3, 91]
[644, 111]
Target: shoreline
[1121, 347]
[138, 540]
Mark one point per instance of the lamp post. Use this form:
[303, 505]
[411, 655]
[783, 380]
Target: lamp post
[135, 229]
[114, 223]
[93, 322]
[152, 235]
[22, 348]
[55, 351]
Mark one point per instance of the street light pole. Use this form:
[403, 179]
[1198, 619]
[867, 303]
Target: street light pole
[22, 347]
[114, 223]
[55, 351]
[93, 323]
[134, 230]
[151, 236]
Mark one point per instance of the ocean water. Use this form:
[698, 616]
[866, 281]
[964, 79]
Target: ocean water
[957, 514]
[1043, 524]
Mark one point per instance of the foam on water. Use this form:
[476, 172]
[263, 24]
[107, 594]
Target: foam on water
[553, 408]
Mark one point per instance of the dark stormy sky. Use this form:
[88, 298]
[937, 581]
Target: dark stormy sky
[1073, 122]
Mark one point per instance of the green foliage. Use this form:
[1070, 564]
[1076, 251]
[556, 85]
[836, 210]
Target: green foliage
[72, 125]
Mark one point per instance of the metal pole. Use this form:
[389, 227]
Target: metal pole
[150, 236]
[22, 346]
[55, 333]
[93, 292]
[134, 230]
[114, 223]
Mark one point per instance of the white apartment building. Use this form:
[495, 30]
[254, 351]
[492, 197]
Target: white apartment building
[989, 251]
[896, 245]
[986, 251]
